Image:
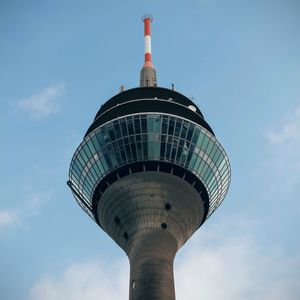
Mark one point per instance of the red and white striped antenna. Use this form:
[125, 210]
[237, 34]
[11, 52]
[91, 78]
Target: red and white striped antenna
[147, 19]
[148, 73]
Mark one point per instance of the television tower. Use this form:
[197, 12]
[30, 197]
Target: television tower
[149, 172]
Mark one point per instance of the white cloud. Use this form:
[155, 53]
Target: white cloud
[283, 155]
[235, 267]
[8, 219]
[89, 280]
[216, 264]
[35, 201]
[30, 206]
[288, 131]
[44, 103]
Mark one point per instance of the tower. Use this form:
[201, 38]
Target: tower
[149, 172]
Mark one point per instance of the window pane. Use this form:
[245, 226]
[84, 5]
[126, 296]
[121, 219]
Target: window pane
[200, 139]
[80, 159]
[205, 142]
[174, 148]
[208, 175]
[204, 169]
[118, 158]
[197, 163]
[164, 124]
[153, 149]
[129, 125]
[184, 129]
[128, 153]
[171, 126]
[189, 156]
[214, 151]
[137, 127]
[139, 150]
[95, 142]
[190, 132]
[91, 147]
[83, 155]
[144, 124]
[168, 151]
[150, 124]
[209, 146]
[104, 163]
[117, 129]
[144, 137]
[162, 149]
[133, 151]
[195, 136]
[219, 159]
[123, 127]
[100, 167]
[78, 169]
[87, 150]
[123, 154]
[178, 127]
[100, 138]
[93, 171]
[105, 135]
[145, 149]
[185, 151]
[201, 165]
[157, 123]
[178, 155]
[192, 161]
[108, 161]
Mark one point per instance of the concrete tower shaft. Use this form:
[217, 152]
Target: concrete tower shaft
[151, 215]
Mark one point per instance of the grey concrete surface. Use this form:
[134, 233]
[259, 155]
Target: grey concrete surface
[151, 215]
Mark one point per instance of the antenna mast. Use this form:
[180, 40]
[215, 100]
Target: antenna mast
[148, 73]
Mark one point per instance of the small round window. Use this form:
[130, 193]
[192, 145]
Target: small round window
[168, 206]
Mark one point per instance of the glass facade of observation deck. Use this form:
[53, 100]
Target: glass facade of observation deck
[150, 137]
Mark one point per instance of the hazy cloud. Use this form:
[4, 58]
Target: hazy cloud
[30, 206]
[8, 219]
[35, 200]
[43, 103]
[283, 155]
[88, 280]
[288, 131]
[217, 265]
[221, 265]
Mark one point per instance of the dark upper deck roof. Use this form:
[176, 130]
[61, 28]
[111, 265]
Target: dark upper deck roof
[148, 99]
[146, 93]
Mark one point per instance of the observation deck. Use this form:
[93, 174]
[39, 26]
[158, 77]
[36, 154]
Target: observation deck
[149, 129]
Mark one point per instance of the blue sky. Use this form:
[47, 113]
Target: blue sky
[239, 60]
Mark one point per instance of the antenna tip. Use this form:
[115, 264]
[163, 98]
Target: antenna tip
[147, 16]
